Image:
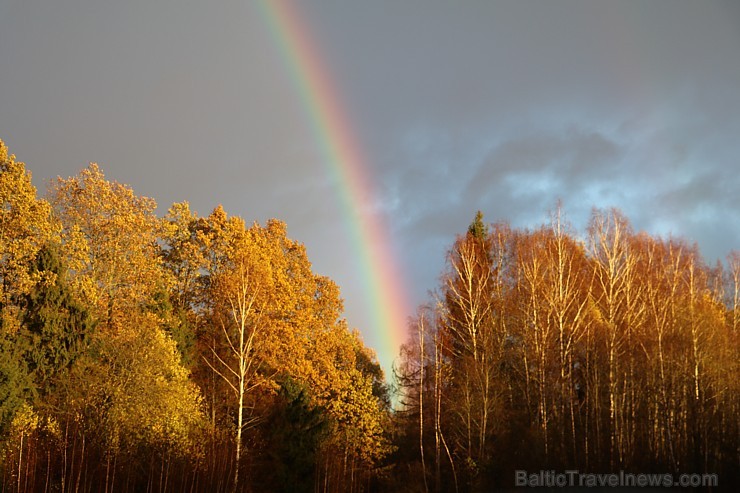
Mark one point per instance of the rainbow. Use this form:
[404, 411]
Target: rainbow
[382, 282]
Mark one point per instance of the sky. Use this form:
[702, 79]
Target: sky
[453, 107]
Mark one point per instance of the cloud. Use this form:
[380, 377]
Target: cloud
[547, 159]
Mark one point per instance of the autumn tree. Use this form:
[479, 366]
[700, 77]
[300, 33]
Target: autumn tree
[261, 313]
[469, 315]
[620, 309]
[110, 239]
[424, 379]
[307, 339]
[239, 290]
[134, 390]
[535, 332]
[26, 224]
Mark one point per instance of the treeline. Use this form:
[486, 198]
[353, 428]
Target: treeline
[181, 353]
[541, 349]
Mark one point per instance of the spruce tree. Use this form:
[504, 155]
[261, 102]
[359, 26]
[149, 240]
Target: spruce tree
[56, 325]
[478, 228]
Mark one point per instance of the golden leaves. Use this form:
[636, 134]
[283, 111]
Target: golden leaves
[110, 237]
[142, 390]
[25, 225]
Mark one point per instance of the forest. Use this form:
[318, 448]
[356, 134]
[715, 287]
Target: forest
[179, 353]
[545, 350]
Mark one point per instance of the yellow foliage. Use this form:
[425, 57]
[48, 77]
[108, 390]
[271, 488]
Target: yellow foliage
[25, 225]
[143, 393]
[25, 421]
[295, 322]
[110, 242]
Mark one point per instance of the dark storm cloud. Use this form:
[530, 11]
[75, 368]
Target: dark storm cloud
[574, 158]
[704, 208]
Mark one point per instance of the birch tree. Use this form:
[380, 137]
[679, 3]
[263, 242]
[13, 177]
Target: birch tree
[618, 297]
[239, 286]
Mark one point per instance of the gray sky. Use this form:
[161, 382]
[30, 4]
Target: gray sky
[458, 106]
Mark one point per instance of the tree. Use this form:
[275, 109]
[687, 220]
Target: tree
[424, 378]
[257, 284]
[620, 310]
[132, 391]
[469, 307]
[474, 328]
[534, 331]
[478, 228]
[16, 383]
[617, 352]
[109, 239]
[57, 325]
[239, 288]
[184, 255]
[421, 326]
[567, 302]
[25, 225]
[296, 429]
[184, 259]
